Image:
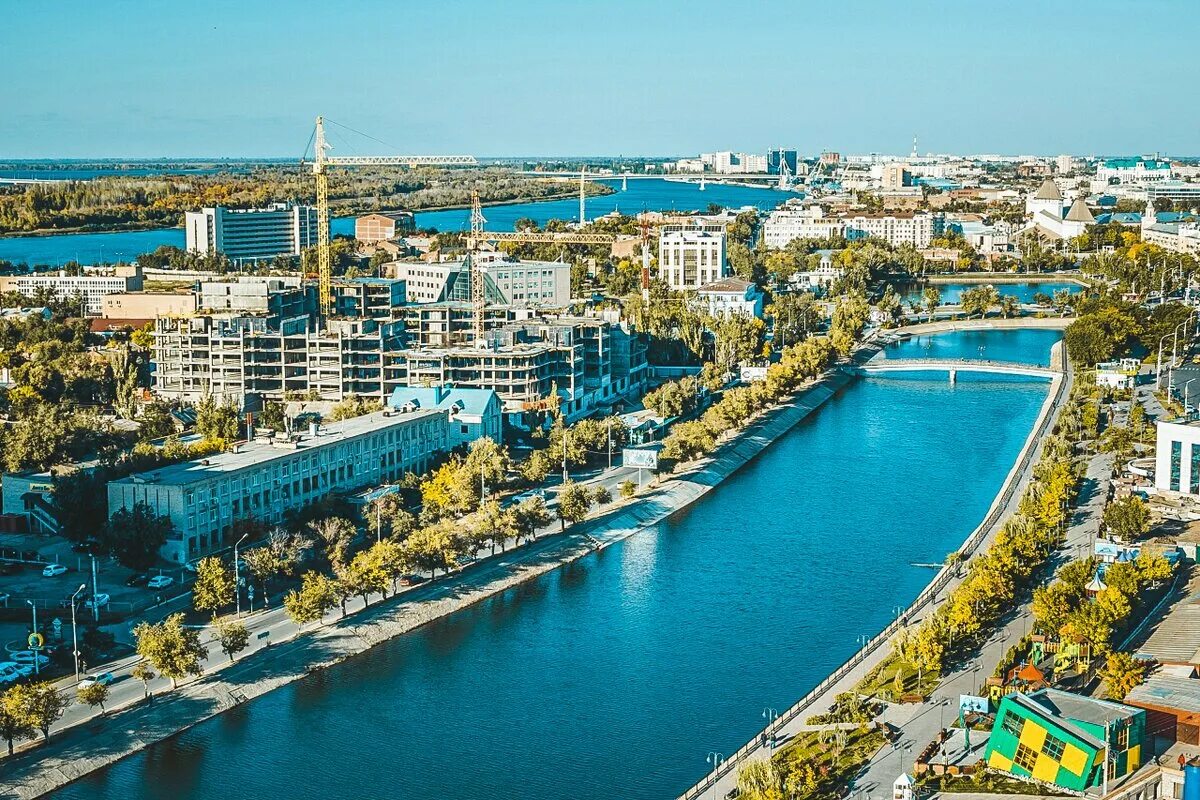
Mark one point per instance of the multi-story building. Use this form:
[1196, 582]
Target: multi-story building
[474, 413]
[917, 229]
[1175, 191]
[691, 255]
[267, 477]
[147, 305]
[778, 159]
[89, 289]
[730, 297]
[894, 176]
[246, 235]
[543, 284]
[1177, 457]
[793, 221]
[1132, 170]
[383, 227]
[249, 294]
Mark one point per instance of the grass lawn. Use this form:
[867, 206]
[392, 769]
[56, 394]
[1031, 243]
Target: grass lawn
[881, 681]
[820, 764]
[984, 782]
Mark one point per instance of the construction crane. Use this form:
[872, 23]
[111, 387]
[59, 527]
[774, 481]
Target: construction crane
[321, 163]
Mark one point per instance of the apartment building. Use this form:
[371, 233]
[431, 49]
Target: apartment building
[246, 235]
[731, 297]
[794, 221]
[147, 305]
[265, 478]
[915, 228]
[89, 289]
[691, 255]
[507, 281]
[383, 227]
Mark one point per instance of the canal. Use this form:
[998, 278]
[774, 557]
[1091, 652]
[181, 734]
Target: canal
[643, 194]
[951, 293]
[615, 676]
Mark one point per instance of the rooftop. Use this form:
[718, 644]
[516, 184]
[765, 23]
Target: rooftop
[473, 401]
[730, 285]
[260, 451]
[1048, 191]
[1068, 708]
[1176, 638]
[1168, 691]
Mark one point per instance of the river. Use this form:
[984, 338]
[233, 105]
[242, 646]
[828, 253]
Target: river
[615, 676]
[643, 194]
[951, 293]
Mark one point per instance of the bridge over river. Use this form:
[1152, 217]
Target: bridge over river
[954, 366]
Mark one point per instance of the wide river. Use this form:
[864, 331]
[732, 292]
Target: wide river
[643, 194]
[615, 676]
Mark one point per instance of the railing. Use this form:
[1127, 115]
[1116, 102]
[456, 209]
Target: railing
[929, 594]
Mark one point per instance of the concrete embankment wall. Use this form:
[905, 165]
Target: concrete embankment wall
[1007, 277]
[96, 744]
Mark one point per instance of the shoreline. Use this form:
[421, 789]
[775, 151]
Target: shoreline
[860, 663]
[45, 767]
[983, 278]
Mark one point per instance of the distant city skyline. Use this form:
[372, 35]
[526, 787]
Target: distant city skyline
[134, 79]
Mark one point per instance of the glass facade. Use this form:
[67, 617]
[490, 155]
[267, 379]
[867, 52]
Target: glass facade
[1194, 475]
[1176, 458]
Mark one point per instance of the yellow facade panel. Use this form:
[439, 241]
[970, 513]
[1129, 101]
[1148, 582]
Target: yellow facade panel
[998, 761]
[1135, 758]
[1045, 768]
[1033, 736]
[1074, 760]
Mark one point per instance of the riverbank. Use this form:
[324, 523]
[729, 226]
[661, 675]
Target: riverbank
[94, 744]
[1007, 277]
[718, 783]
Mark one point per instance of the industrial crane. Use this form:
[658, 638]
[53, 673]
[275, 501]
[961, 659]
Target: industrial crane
[321, 162]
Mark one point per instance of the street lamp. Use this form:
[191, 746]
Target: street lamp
[37, 667]
[237, 575]
[770, 715]
[716, 759]
[74, 637]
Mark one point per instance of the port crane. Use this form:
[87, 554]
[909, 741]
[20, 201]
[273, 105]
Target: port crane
[321, 162]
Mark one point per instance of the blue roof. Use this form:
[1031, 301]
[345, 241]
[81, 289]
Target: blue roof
[474, 401]
[1120, 217]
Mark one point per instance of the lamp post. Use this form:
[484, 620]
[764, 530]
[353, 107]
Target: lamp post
[237, 575]
[565, 434]
[37, 667]
[1185, 395]
[74, 636]
[716, 759]
[770, 715]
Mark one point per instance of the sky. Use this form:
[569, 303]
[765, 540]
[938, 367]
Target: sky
[245, 78]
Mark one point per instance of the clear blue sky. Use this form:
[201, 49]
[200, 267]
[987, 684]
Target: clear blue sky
[135, 78]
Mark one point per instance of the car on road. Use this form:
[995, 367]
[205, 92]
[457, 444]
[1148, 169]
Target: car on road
[137, 579]
[529, 495]
[102, 678]
[97, 601]
[29, 657]
[160, 582]
[12, 668]
[53, 570]
[412, 580]
[190, 567]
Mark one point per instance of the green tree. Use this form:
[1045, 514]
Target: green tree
[233, 636]
[173, 649]
[94, 694]
[43, 705]
[979, 300]
[1009, 306]
[354, 406]
[530, 516]
[602, 496]
[628, 489]
[214, 587]
[335, 535]
[1127, 518]
[1121, 673]
[536, 467]
[142, 672]
[316, 596]
[932, 298]
[15, 720]
[760, 780]
[574, 501]
[135, 535]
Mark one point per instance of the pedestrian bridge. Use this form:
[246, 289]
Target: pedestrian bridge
[954, 366]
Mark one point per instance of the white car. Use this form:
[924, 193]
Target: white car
[160, 582]
[102, 678]
[53, 570]
[97, 601]
[29, 657]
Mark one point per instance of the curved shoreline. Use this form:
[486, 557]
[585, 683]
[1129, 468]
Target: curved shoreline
[44, 767]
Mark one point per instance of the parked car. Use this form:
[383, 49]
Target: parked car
[160, 582]
[76, 599]
[412, 580]
[9, 673]
[98, 601]
[137, 579]
[21, 670]
[29, 657]
[190, 567]
[53, 570]
[102, 678]
[9, 567]
[523, 496]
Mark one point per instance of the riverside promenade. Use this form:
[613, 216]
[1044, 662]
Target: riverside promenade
[723, 779]
[288, 654]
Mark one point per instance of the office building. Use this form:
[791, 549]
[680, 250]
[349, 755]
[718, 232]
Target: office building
[247, 235]
[267, 477]
[1177, 457]
[691, 255]
[89, 289]
[383, 227]
[778, 160]
[1175, 191]
[507, 281]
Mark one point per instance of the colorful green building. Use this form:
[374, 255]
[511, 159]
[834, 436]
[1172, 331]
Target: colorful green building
[1061, 738]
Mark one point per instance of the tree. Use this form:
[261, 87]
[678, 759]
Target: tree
[978, 300]
[354, 406]
[530, 516]
[932, 298]
[1009, 306]
[628, 489]
[316, 595]
[142, 672]
[135, 535]
[602, 496]
[219, 423]
[43, 705]
[233, 635]
[760, 780]
[214, 586]
[536, 467]
[15, 722]
[94, 694]
[335, 534]
[574, 501]
[1121, 673]
[1127, 518]
[173, 649]
[368, 574]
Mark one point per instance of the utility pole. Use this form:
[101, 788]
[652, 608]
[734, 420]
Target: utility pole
[565, 434]
[95, 605]
[610, 442]
[237, 575]
[74, 635]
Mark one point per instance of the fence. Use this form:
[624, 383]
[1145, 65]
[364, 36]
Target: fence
[928, 594]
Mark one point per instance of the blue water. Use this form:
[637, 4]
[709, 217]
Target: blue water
[642, 195]
[952, 292]
[1028, 345]
[614, 677]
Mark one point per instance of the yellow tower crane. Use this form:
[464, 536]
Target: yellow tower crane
[321, 162]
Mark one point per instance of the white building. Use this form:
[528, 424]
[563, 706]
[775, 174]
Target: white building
[1047, 218]
[264, 478]
[252, 234]
[825, 272]
[1120, 374]
[915, 228]
[545, 284]
[90, 287]
[731, 296]
[474, 413]
[690, 256]
[1132, 170]
[1174, 237]
[793, 222]
[1177, 457]
[1065, 164]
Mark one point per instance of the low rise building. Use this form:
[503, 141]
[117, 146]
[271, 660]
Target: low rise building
[1120, 374]
[473, 413]
[89, 289]
[384, 226]
[148, 305]
[820, 275]
[730, 297]
[246, 235]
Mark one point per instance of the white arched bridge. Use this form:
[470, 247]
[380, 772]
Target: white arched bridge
[957, 365]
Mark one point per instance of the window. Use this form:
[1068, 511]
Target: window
[1123, 738]
[1194, 479]
[1053, 747]
[1012, 724]
[1176, 457]
[1025, 758]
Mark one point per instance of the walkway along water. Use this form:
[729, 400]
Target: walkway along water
[723, 779]
[71, 756]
